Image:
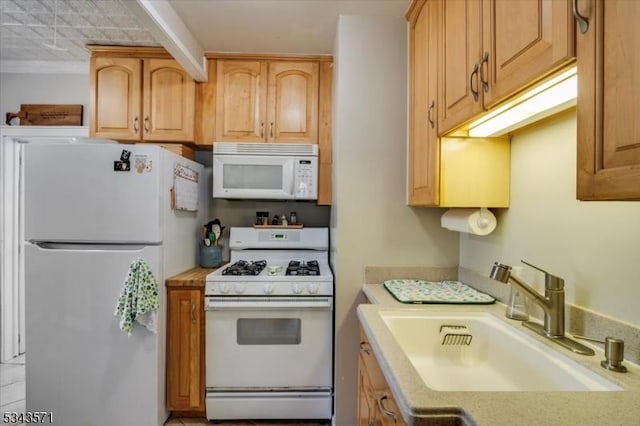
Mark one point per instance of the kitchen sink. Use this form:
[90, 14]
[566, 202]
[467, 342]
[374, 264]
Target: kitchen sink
[476, 351]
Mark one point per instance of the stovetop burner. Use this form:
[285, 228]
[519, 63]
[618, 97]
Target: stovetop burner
[243, 267]
[309, 267]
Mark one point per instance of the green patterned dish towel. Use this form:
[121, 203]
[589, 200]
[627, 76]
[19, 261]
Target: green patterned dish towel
[419, 291]
[139, 299]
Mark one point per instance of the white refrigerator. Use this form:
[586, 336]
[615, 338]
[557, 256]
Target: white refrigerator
[88, 215]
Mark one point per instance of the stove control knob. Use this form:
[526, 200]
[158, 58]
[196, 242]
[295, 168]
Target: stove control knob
[224, 288]
[296, 288]
[268, 288]
[313, 288]
[239, 288]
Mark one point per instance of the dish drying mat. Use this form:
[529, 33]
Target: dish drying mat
[419, 291]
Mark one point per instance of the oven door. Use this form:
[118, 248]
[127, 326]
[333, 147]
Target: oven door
[273, 343]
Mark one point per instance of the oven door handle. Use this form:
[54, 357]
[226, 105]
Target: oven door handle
[267, 303]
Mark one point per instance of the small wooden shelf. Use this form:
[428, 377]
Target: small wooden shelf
[296, 226]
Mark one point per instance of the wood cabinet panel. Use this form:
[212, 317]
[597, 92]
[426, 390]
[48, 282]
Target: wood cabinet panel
[185, 350]
[169, 101]
[293, 102]
[140, 99]
[204, 124]
[376, 404]
[261, 101]
[423, 137]
[325, 147]
[608, 102]
[241, 101]
[523, 41]
[116, 87]
[460, 62]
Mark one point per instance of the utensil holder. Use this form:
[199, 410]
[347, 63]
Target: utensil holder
[210, 256]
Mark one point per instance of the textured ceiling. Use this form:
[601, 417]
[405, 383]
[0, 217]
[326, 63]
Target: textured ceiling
[29, 31]
[27, 28]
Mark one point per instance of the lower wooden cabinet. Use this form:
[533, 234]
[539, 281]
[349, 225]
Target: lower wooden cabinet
[376, 405]
[185, 349]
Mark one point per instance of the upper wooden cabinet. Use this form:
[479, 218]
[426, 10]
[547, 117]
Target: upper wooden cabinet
[446, 172]
[135, 99]
[523, 41]
[493, 49]
[241, 101]
[116, 93]
[260, 101]
[168, 101]
[609, 102]
[461, 45]
[424, 165]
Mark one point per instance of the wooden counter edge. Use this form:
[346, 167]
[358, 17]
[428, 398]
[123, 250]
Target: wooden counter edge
[194, 277]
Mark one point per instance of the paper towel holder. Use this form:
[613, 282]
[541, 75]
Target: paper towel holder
[477, 221]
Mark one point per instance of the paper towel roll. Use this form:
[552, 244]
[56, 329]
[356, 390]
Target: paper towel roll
[472, 221]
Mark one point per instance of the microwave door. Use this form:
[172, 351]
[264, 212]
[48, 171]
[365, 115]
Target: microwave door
[253, 177]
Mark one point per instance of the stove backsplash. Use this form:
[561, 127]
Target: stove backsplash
[243, 213]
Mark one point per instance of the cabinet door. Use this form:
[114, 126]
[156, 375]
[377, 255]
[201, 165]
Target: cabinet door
[460, 68]
[293, 102]
[609, 102]
[365, 405]
[241, 101]
[115, 98]
[523, 41]
[423, 137]
[169, 102]
[185, 350]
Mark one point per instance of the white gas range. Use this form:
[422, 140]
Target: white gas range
[269, 327]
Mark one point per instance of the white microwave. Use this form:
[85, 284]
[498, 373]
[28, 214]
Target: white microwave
[274, 171]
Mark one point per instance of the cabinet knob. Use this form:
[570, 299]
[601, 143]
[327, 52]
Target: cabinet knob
[271, 131]
[193, 312]
[262, 129]
[136, 124]
[146, 124]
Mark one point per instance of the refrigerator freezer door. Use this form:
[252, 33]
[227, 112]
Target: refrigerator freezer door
[80, 365]
[73, 193]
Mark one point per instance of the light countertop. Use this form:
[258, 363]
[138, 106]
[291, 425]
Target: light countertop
[417, 402]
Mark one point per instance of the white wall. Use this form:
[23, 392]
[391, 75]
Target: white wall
[371, 224]
[594, 246]
[20, 88]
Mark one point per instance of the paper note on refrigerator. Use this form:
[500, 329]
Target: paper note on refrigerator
[185, 188]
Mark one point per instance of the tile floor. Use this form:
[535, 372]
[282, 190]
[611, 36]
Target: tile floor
[12, 386]
[12, 399]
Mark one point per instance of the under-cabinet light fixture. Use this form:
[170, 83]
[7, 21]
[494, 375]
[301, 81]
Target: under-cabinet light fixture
[553, 96]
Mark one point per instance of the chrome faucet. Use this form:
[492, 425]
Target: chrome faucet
[552, 303]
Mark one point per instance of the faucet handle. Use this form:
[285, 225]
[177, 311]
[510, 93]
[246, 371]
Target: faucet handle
[551, 282]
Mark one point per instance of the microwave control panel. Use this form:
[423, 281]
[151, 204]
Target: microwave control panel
[306, 178]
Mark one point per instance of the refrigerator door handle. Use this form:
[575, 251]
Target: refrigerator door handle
[46, 245]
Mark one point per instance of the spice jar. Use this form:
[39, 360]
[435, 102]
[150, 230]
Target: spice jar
[293, 218]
